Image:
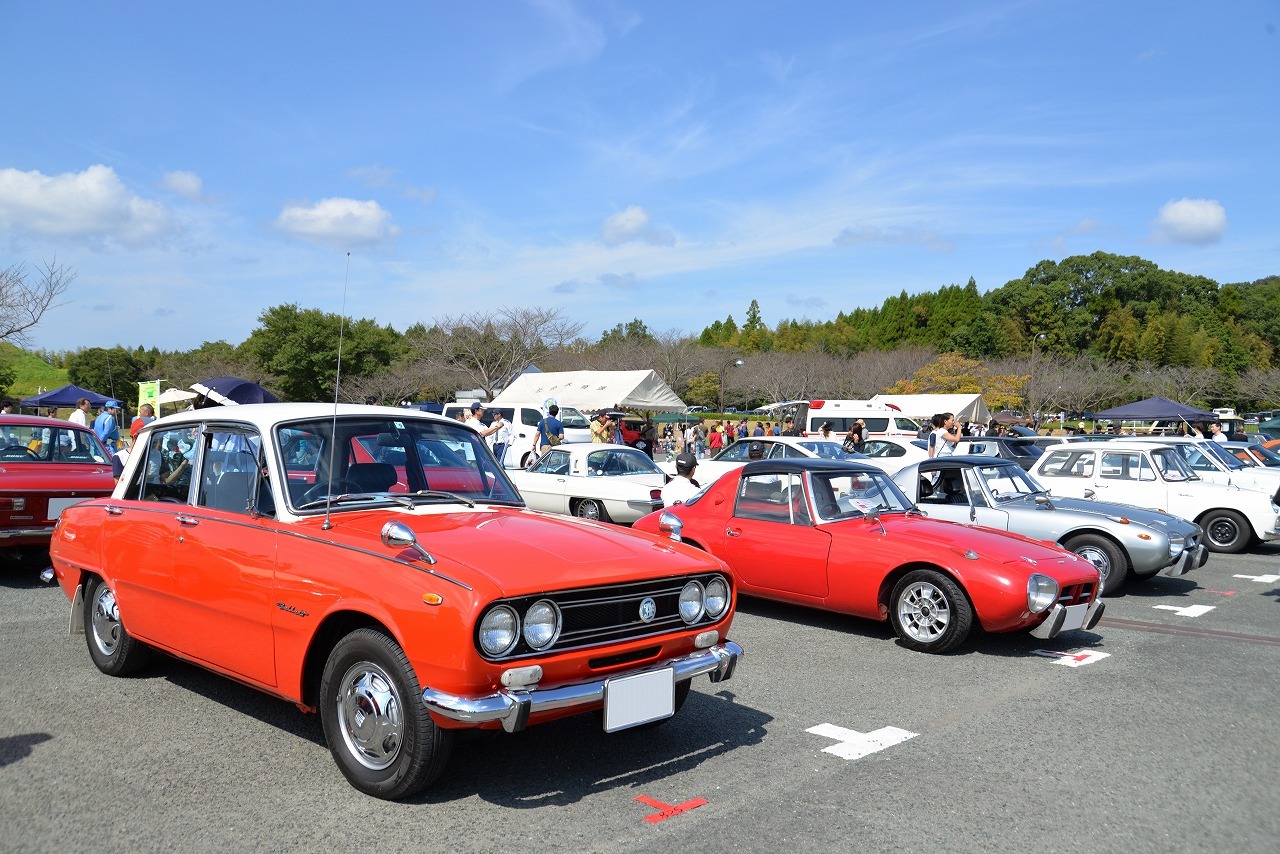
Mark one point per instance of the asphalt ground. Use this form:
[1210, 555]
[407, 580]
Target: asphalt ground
[1171, 742]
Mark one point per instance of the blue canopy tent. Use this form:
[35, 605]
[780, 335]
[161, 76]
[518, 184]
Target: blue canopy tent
[1155, 409]
[60, 398]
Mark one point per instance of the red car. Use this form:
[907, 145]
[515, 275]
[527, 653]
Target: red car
[378, 567]
[46, 465]
[842, 537]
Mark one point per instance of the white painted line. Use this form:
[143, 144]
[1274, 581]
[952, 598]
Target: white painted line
[1075, 658]
[1188, 611]
[855, 745]
[1265, 579]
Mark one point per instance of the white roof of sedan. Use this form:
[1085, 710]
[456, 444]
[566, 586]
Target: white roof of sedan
[266, 415]
[1130, 444]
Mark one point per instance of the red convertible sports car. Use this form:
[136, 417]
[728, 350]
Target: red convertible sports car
[841, 536]
[378, 567]
[46, 465]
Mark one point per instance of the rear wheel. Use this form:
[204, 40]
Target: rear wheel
[590, 508]
[929, 612]
[378, 729]
[114, 651]
[1106, 556]
[1226, 531]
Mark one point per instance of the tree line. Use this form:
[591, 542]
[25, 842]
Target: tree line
[1082, 333]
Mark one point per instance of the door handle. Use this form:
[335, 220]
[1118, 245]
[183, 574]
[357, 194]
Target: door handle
[189, 521]
[732, 532]
[113, 510]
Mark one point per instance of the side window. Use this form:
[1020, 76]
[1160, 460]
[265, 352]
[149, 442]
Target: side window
[1126, 466]
[231, 478]
[772, 498]
[782, 451]
[735, 453]
[555, 462]
[877, 425]
[945, 486]
[166, 474]
[906, 425]
[530, 417]
[1069, 464]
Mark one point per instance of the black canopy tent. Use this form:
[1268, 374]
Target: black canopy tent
[1155, 409]
[60, 398]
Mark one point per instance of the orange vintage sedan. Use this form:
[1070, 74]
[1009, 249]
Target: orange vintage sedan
[377, 566]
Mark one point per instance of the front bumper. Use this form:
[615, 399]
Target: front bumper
[1066, 618]
[514, 707]
[1189, 560]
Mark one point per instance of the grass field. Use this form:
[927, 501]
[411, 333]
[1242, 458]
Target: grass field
[32, 372]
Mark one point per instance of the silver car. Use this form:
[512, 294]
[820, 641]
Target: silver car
[1116, 538]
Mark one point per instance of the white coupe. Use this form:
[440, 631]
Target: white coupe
[609, 483]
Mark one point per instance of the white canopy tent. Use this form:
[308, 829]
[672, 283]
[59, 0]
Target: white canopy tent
[592, 390]
[921, 407]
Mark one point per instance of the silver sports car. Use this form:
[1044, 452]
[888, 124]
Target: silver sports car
[1117, 538]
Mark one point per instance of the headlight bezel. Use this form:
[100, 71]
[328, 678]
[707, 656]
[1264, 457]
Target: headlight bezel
[701, 601]
[557, 621]
[1042, 592]
[715, 614]
[481, 629]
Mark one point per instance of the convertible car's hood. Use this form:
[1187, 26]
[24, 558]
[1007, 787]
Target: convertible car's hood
[523, 551]
[995, 545]
[1141, 515]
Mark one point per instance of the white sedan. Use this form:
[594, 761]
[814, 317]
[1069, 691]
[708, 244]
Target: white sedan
[891, 453]
[610, 483]
[775, 448]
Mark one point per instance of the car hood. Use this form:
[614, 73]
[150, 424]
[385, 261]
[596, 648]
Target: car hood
[989, 543]
[1141, 515]
[520, 552]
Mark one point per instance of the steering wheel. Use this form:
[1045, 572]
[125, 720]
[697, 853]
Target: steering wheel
[337, 487]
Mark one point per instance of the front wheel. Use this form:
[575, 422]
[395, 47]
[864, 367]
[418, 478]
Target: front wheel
[114, 651]
[590, 508]
[377, 727]
[1226, 531]
[929, 612]
[1107, 558]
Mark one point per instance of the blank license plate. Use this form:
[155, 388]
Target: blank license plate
[1076, 615]
[633, 700]
[57, 505]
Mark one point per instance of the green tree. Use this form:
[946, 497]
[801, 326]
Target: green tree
[755, 336]
[634, 332]
[300, 347]
[114, 372]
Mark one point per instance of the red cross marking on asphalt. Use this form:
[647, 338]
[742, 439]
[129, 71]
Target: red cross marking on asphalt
[666, 811]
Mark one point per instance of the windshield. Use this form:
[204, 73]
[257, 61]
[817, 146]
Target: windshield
[1223, 456]
[616, 462]
[829, 450]
[27, 443]
[1170, 465]
[839, 495]
[372, 458]
[1007, 482]
[1267, 456]
[1197, 459]
[572, 418]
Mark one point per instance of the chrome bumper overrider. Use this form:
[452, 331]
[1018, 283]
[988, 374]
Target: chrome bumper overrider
[513, 707]
[1066, 618]
[1190, 559]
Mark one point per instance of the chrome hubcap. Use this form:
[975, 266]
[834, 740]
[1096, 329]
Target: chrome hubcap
[1098, 558]
[924, 612]
[371, 713]
[589, 510]
[106, 621]
[1223, 531]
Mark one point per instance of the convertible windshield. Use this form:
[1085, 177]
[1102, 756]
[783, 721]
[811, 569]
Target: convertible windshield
[431, 461]
[849, 496]
[1007, 482]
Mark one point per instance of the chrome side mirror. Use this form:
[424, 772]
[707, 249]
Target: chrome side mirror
[670, 524]
[398, 535]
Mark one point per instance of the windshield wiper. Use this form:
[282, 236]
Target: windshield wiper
[439, 493]
[345, 498]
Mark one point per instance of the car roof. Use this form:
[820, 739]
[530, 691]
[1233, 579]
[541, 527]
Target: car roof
[265, 416]
[38, 421]
[799, 465]
[1127, 444]
[934, 463]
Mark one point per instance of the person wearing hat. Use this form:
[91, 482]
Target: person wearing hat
[789, 427]
[682, 487]
[106, 426]
[474, 422]
[503, 439]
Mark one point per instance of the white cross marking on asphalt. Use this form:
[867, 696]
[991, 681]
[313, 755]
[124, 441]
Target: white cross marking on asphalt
[1073, 659]
[1265, 579]
[1188, 611]
[855, 745]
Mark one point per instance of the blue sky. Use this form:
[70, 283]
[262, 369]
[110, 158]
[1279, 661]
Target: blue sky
[196, 163]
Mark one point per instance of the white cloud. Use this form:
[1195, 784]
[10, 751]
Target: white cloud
[1197, 221]
[340, 223]
[92, 204]
[870, 234]
[633, 224]
[185, 184]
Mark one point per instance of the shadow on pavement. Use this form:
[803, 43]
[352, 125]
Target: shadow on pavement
[15, 748]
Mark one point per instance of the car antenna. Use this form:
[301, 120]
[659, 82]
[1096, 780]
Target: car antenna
[337, 383]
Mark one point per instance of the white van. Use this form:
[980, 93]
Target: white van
[524, 419]
[881, 420]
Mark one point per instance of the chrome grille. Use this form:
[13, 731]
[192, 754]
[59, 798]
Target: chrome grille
[596, 615]
[1076, 594]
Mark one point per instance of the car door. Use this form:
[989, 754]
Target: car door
[546, 485]
[223, 577]
[771, 541]
[1128, 477]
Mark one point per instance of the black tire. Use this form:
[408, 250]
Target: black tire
[590, 508]
[378, 729]
[114, 651]
[1226, 531]
[929, 612]
[1110, 559]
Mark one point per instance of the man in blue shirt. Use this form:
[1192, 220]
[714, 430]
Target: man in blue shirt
[106, 427]
[550, 431]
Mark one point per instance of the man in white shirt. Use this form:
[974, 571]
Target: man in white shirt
[504, 436]
[1218, 436]
[682, 487]
[474, 422]
[81, 413]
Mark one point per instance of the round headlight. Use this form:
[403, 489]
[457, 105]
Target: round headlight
[541, 624]
[717, 597]
[499, 631]
[1042, 592]
[1177, 543]
[692, 602]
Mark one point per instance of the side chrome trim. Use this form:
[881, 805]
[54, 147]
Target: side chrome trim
[514, 707]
